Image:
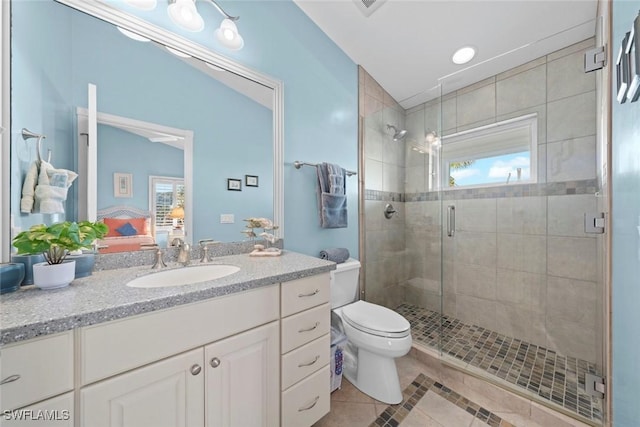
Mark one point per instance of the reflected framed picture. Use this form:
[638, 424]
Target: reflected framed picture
[122, 184]
[633, 57]
[251, 180]
[622, 70]
[234, 184]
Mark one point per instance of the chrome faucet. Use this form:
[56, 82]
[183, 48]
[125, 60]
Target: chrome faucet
[204, 249]
[184, 256]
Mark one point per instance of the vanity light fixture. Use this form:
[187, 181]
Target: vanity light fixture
[463, 55]
[185, 14]
[176, 52]
[133, 36]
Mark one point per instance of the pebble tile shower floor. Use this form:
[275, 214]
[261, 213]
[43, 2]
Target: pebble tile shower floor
[552, 376]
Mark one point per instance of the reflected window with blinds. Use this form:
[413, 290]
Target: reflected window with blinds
[165, 195]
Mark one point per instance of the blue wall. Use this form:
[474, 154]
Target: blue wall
[139, 81]
[121, 151]
[41, 95]
[626, 239]
[321, 104]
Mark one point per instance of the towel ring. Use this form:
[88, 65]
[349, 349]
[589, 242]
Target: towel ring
[27, 135]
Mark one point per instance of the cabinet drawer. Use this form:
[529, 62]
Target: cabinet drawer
[115, 347]
[59, 411]
[301, 294]
[308, 401]
[44, 366]
[305, 327]
[305, 360]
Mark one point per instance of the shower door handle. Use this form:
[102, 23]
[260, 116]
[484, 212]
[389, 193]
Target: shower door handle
[451, 220]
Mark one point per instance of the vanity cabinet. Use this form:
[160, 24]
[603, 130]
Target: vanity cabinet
[305, 348]
[218, 365]
[34, 371]
[253, 358]
[232, 382]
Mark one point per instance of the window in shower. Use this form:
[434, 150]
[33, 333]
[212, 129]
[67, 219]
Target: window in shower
[502, 153]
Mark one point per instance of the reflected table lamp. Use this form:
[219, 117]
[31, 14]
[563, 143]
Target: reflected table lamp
[177, 213]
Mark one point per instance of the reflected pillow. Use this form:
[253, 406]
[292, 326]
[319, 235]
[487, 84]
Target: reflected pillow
[127, 230]
[139, 224]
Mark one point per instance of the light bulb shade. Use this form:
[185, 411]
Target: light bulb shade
[184, 14]
[176, 213]
[133, 36]
[228, 35]
[142, 4]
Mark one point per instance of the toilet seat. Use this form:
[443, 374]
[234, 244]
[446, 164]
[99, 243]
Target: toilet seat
[376, 320]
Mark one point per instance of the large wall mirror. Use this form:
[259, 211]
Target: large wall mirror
[150, 121]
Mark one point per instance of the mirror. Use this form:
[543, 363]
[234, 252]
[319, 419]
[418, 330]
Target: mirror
[234, 114]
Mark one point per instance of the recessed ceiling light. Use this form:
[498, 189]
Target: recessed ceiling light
[463, 55]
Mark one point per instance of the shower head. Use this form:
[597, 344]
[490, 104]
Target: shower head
[397, 134]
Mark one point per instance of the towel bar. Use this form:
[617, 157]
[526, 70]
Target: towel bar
[298, 164]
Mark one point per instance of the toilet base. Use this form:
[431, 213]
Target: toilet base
[376, 376]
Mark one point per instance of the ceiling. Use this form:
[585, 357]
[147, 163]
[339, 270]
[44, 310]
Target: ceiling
[406, 45]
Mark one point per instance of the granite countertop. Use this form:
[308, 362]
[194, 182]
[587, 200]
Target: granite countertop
[31, 312]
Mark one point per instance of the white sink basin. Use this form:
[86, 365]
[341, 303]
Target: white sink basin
[183, 276]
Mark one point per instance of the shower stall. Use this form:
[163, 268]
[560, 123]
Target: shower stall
[494, 252]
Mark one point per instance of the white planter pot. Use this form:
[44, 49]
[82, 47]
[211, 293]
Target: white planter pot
[54, 276]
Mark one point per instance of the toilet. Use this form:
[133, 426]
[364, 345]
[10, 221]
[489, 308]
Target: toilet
[376, 336]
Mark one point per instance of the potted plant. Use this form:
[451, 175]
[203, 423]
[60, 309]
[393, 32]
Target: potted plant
[55, 241]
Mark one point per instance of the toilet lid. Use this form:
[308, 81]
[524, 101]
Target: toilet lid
[376, 320]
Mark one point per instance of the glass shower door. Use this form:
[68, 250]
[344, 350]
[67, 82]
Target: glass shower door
[521, 283]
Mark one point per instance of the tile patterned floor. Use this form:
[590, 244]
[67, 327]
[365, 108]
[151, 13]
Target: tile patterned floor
[554, 377]
[395, 415]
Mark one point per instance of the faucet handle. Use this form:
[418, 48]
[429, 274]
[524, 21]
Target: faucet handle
[204, 249]
[159, 260]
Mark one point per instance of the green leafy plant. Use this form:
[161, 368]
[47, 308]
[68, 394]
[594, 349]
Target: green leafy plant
[55, 241]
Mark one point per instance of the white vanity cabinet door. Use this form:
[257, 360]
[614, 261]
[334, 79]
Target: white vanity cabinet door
[242, 379]
[168, 393]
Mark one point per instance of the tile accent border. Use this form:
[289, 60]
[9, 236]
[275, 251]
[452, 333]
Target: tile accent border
[586, 186]
[385, 196]
[393, 415]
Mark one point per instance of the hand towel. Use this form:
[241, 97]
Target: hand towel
[332, 199]
[52, 188]
[337, 255]
[29, 189]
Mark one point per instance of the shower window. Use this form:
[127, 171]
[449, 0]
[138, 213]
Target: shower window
[502, 153]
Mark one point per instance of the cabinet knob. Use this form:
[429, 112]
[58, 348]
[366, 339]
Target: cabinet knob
[195, 369]
[215, 362]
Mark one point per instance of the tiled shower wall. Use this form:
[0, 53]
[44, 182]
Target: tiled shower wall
[384, 171]
[520, 262]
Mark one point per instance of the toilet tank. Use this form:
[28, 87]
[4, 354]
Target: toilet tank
[344, 283]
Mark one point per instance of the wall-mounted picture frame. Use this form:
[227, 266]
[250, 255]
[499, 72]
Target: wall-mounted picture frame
[234, 184]
[122, 185]
[633, 56]
[251, 180]
[622, 71]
